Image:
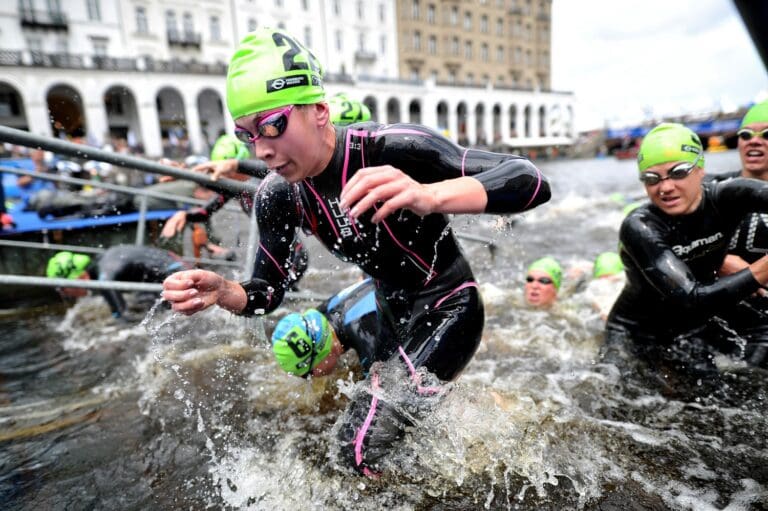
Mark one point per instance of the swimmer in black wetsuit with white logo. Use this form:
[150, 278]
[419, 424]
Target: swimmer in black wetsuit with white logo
[672, 249]
[374, 195]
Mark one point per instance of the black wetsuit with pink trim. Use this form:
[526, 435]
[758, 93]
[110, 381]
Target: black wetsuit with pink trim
[427, 300]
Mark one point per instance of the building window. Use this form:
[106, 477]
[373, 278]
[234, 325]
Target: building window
[382, 13]
[415, 9]
[189, 24]
[499, 26]
[252, 24]
[278, 3]
[500, 54]
[170, 22]
[361, 42]
[434, 75]
[414, 74]
[35, 44]
[281, 25]
[468, 50]
[54, 6]
[451, 76]
[305, 4]
[454, 16]
[360, 10]
[455, 46]
[383, 44]
[467, 21]
[470, 78]
[141, 20]
[215, 29]
[94, 10]
[432, 45]
[62, 45]
[339, 39]
[484, 24]
[417, 40]
[431, 14]
[308, 37]
[484, 52]
[99, 46]
[336, 7]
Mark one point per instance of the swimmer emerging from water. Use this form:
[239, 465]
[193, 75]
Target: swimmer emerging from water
[542, 282]
[374, 195]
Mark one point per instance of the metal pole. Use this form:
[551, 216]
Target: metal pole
[117, 285]
[141, 224]
[57, 146]
[94, 250]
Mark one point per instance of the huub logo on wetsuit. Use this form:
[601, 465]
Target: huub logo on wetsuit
[681, 250]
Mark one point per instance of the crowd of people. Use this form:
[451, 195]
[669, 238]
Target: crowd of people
[377, 196]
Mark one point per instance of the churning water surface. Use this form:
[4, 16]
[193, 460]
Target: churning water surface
[191, 413]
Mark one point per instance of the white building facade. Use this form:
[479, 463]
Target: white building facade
[154, 72]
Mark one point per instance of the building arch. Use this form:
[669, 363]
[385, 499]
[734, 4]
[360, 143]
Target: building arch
[123, 120]
[173, 122]
[12, 111]
[393, 110]
[210, 108]
[414, 112]
[67, 111]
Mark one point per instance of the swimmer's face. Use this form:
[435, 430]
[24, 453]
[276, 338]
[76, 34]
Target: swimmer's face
[675, 196]
[540, 290]
[296, 150]
[329, 362]
[754, 151]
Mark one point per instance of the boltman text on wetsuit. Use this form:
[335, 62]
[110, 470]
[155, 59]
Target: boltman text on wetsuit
[424, 285]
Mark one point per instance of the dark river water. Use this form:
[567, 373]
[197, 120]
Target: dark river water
[192, 413]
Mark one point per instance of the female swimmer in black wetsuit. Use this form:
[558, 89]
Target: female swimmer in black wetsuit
[672, 249]
[373, 195]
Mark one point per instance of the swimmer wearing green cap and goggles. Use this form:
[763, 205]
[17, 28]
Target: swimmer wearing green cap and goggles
[674, 246]
[374, 195]
[671, 165]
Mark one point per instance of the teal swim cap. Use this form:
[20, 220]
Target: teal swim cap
[300, 340]
[67, 265]
[270, 69]
[551, 267]
[607, 263]
[669, 142]
[757, 114]
[228, 147]
[345, 110]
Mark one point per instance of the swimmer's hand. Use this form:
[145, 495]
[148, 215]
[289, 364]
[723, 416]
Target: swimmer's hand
[389, 189]
[221, 169]
[192, 291]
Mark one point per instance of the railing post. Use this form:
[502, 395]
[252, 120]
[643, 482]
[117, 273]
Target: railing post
[250, 257]
[141, 224]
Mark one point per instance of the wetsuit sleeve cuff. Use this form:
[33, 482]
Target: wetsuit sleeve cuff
[259, 297]
[255, 168]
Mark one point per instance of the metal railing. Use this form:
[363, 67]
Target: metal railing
[118, 285]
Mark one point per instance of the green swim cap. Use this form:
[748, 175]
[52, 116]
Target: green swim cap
[270, 69]
[669, 142]
[758, 113]
[345, 110]
[607, 263]
[297, 336]
[67, 265]
[228, 147]
[549, 266]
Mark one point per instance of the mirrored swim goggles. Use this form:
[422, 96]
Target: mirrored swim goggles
[678, 172]
[747, 134]
[270, 126]
[541, 280]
